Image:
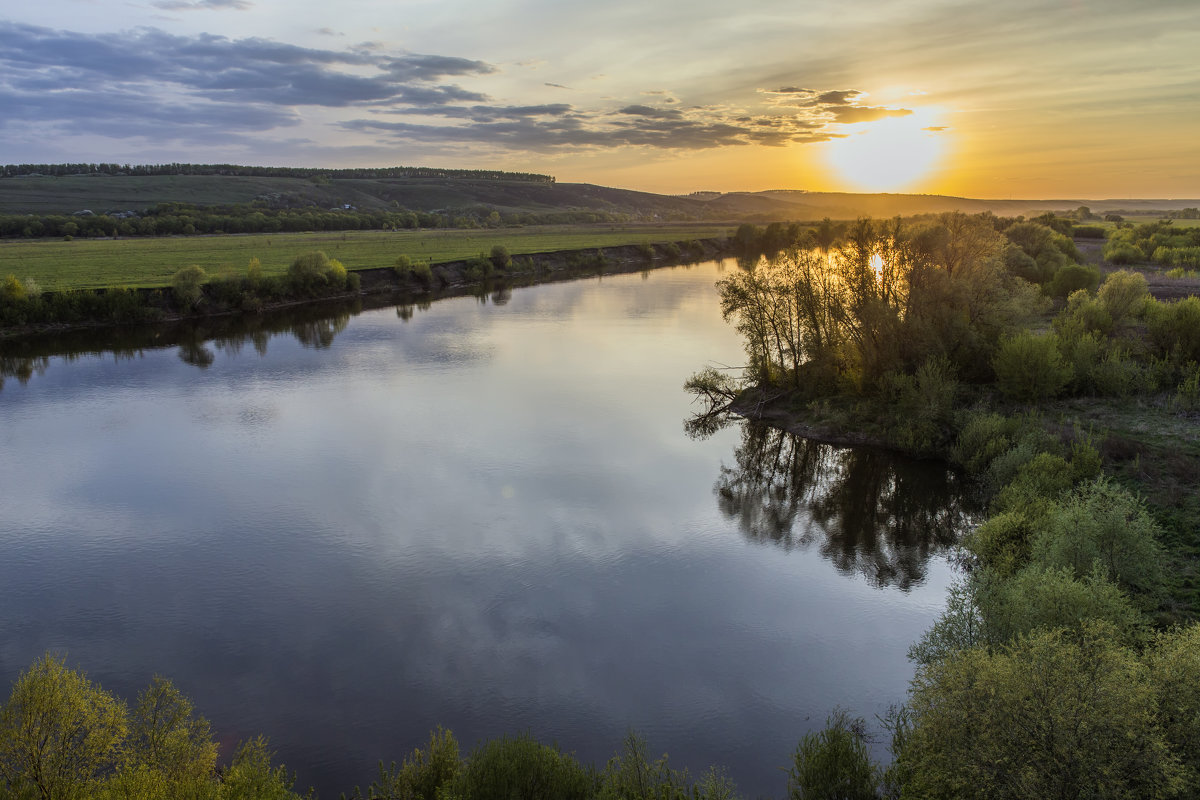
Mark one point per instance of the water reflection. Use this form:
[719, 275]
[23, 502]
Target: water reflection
[867, 511]
[314, 327]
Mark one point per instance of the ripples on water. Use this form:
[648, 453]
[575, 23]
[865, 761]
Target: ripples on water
[343, 530]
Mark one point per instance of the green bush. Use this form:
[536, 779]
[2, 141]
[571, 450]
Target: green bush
[1053, 714]
[1001, 543]
[188, 285]
[316, 272]
[1124, 294]
[1175, 674]
[631, 775]
[982, 438]
[833, 763]
[1073, 277]
[1174, 329]
[500, 258]
[1123, 252]
[422, 774]
[1029, 368]
[921, 406]
[1055, 598]
[521, 769]
[1102, 524]
[12, 290]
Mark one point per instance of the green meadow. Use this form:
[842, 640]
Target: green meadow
[98, 263]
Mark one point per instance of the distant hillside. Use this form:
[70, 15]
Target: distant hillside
[58, 190]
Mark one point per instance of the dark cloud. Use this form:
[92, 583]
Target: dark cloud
[556, 85]
[651, 112]
[838, 98]
[148, 82]
[848, 115]
[218, 68]
[548, 128]
[204, 89]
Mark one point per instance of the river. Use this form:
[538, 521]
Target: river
[483, 514]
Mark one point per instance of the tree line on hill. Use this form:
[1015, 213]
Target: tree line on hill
[148, 170]
[184, 219]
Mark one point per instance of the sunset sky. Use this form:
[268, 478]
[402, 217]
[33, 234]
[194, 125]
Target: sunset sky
[1027, 98]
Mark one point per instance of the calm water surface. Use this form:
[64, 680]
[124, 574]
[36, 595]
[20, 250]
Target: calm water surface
[484, 515]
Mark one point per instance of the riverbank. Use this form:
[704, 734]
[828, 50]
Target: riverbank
[240, 297]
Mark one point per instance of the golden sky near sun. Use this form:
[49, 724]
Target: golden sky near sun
[1029, 98]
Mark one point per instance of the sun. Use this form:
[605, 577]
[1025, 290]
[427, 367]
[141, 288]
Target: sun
[888, 154]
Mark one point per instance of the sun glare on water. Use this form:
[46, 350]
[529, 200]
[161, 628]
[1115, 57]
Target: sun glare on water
[888, 154]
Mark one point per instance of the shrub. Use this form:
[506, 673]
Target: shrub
[422, 774]
[521, 769]
[1175, 674]
[1041, 597]
[314, 272]
[1123, 252]
[1029, 368]
[1083, 314]
[1050, 715]
[922, 405]
[250, 776]
[984, 437]
[500, 258]
[1072, 278]
[1123, 294]
[833, 763]
[631, 775]
[188, 285]
[1175, 329]
[478, 268]
[1001, 543]
[1102, 524]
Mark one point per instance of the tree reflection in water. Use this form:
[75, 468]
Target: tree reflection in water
[868, 511]
[313, 328]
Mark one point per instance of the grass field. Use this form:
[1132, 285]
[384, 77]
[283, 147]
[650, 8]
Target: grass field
[97, 263]
[1139, 219]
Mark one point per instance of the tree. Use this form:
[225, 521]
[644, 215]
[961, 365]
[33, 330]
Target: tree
[169, 749]
[833, 763]
[60, 734]
[1175, 672]
[251, 777]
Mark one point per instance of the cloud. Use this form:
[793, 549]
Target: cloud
[936, 128]
[148, 82]
[838, 98]
[850, 115]
[556, 85]
[559, 127]
[200, 89]
[196, 5]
